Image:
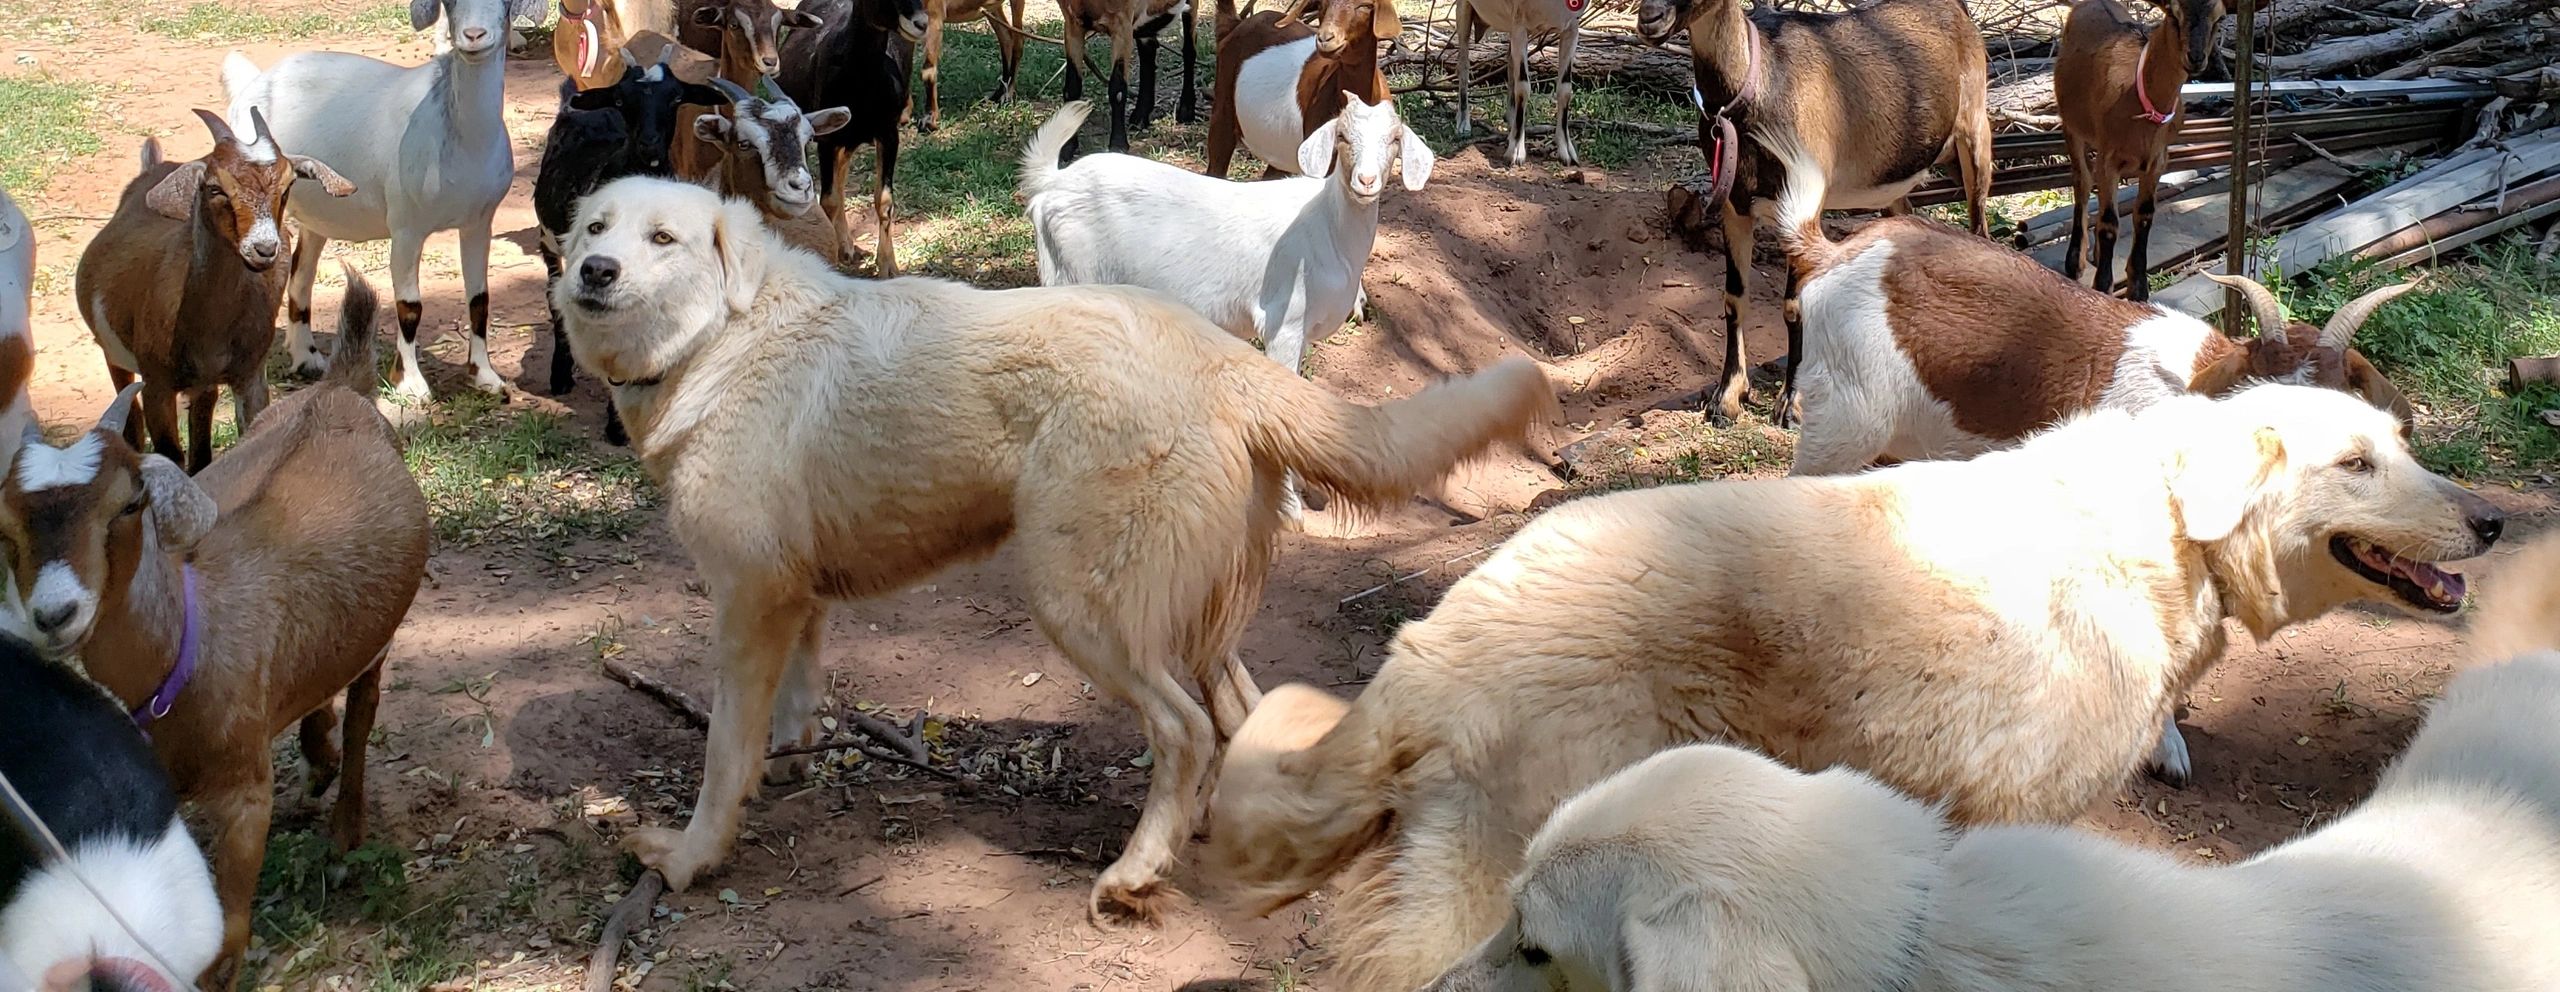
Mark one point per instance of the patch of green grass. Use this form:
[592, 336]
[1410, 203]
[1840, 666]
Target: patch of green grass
[44, 124]
[491, 473]
[208, 20]
[2446, 346]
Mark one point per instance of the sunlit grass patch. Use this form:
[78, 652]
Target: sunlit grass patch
[492, 473]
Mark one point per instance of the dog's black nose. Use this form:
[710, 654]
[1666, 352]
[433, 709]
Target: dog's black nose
[2488, 525]
[598, 272]
[52, 618]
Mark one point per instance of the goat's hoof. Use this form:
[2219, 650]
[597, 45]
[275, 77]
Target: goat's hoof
[663, 850]
[1519, 155]
[1566, 154]
[1114, 904]
[414, 389]
[490, 382]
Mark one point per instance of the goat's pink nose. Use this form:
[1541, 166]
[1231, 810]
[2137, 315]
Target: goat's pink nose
[1368, 178]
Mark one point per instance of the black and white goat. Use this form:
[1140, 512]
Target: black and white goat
[84, 771]
[598, 136]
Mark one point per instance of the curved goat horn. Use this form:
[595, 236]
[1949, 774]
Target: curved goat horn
[221, 128]
[258, 127]
[2262, 302]
[2343, 324]
[737, 94]
[119, 410]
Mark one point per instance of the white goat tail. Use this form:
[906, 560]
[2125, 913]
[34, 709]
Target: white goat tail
[1800, 202]
[1040, 156]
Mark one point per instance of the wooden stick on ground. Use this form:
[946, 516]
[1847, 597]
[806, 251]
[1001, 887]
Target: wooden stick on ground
[684, 706]
[633, 908]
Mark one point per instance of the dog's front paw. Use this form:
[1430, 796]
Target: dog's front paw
[2170, 762]
[664, 851]
[1121, 902]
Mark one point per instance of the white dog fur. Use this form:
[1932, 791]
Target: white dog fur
[1711, 868]
[2006, 635]
[820, 437]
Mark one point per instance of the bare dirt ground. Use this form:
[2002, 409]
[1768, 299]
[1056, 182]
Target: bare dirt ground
[507, 761]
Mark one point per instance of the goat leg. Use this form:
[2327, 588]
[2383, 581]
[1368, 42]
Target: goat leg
[1187, 111]
[1149, 41]
[364, 697]
[238, 815]
[2137, 257]
[562, 362]
[1117, 88]
[2108, 220]
[405, 252]
[1466, 65]
[307, 360]
[1008, 48]
[1736, 383]
[120, 378]
[2073, 262]
[320, 747]
[1790, 310]
[930, 74]
[160, 414]
[1564, 93]
[200, 427]
[884, 208]
[1517, 152]
[1074, 38]
[475, 284]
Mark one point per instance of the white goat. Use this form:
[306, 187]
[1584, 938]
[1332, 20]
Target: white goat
[1275, 260]
[426, 147]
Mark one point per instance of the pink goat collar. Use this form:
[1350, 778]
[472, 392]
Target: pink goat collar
[2142, 84]
[1724, 147]
[189, 635]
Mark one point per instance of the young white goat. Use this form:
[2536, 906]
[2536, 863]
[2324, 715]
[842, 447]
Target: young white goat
[1276, 260]
[426, 147]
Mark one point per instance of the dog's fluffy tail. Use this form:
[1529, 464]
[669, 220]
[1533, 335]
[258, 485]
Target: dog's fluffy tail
[1303, 791]
[1040, 156]
[2520, 610]
[351, 358]
[1376, 457]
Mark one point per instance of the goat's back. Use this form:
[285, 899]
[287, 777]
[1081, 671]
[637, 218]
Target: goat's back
[322, 540]
[1877, 92]
[17, 335]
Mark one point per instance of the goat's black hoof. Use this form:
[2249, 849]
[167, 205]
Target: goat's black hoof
[928, 125]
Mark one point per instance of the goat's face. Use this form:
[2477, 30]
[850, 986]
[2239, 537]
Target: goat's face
[1344, 20]
[647, 99]
[2291, 351]
[651, 264]
[477, 29]
[753, 28]
[1364, 141]
[2309, 499]
[238, 190]
[78, 520]
[2199, 19]
[772, 135]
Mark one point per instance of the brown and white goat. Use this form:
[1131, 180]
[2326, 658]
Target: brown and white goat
[223, 608]
[1925, 342]
[2116, 85]
[17, 330]
[745, 37]
[1279, 80]
[764, 148]
[1870, 99]
[1004, 20]
[181, 285]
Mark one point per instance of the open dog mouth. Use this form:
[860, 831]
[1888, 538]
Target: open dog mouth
[2419, 584]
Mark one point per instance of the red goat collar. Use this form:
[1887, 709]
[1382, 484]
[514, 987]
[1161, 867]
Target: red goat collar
[2142, 84]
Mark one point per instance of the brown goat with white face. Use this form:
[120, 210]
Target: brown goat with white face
[2116, 85]
[223, 608]
[181, 286]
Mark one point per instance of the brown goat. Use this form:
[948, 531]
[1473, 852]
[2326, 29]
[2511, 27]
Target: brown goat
[745, 36]
[226, 607]
[1870, 98]
[2116, 85]
[1279, 80]
[1004, 19]
[181, 285]
[1124, 21]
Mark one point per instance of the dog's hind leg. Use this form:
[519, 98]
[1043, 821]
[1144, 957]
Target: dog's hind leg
[1183, 739]
[795, 705]
[759, 622]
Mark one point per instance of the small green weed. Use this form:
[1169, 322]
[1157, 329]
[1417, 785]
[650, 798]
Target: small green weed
[530, 476]
[44, 124]
[208, 20]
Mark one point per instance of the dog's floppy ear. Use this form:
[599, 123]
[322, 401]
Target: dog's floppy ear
[2218, 477]
[181, 511]
[1688, 943]
[738, 232]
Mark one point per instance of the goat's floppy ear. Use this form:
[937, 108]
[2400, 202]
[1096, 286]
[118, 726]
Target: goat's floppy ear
[739, 234]
[181, 511]
[714, 128]
[422, 13]
[174, 196]
[2218, 477]
[1315, 155]
[801, 19]
[1383, 23]
[829, 121]
[2369, 383]
[1417, 157]
[319, 172]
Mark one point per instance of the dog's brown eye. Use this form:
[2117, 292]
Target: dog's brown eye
[662, 238]
[2356, 464]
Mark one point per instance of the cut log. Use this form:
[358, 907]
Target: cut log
[2329, 57]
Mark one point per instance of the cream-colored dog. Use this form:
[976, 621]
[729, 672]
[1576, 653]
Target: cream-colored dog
[2006, 635]
[824, 438]
[1707, 867]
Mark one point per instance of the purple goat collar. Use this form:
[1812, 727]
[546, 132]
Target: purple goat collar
[167, 695]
